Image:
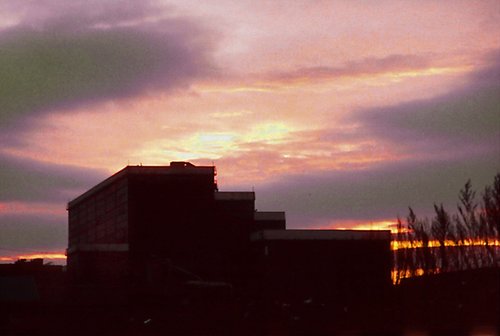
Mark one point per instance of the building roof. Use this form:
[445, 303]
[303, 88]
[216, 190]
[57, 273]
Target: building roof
[269, 215]
[235, 196]
[175, 168]
[321, 235]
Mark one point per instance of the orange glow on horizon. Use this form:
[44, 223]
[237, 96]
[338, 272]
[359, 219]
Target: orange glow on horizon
[362, 225]
[41, 255]
[396, 245]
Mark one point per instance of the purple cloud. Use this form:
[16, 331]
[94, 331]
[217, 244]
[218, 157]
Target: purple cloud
[380, 192]
[27, 234]
[467, 119]
[30, 181]
[61, 54]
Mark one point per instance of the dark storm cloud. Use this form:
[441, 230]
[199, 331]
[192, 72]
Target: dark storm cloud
[64, 53]
[31, 181]
[377, 193]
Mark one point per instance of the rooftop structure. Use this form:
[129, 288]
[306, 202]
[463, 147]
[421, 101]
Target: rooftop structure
[320, 235]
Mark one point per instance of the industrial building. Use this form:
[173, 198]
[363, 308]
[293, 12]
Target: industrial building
[161, 225]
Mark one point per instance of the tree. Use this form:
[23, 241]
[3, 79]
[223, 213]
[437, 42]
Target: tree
[466, 240]
[490, 217]
[441, 232]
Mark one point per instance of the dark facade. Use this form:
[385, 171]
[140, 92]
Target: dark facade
[29, 281]
[144, 217]
[324, 265]
[153, 225]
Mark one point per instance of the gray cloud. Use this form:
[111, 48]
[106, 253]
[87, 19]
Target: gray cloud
[61, 54]
[28, 234]
[28, 180]
[376, 193]
[466, 118]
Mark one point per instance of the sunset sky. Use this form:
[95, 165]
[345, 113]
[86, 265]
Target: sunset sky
[341, 113]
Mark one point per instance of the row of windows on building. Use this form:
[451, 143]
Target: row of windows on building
[101, 219]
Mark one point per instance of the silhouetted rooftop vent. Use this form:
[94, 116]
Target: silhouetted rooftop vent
[181, 164]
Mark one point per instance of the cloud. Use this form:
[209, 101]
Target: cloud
[61, 54]
[370, 65]
[33, 198]
[25, 234]
[465, 119]
[442, 142]
[380, 192]
[31, 181]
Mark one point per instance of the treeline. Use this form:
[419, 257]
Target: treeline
[466, 239]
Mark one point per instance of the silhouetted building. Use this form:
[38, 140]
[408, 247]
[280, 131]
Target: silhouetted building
[28, 281]
[164, 224]
[345, 265]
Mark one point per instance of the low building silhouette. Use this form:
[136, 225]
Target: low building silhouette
[324, 265]
[28, 281]
[165, 225]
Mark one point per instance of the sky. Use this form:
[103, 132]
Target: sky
[341, 113]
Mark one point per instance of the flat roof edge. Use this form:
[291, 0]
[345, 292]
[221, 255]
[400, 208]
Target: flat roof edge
[98, 186]
[321, 235]
[159, 170]
[234, 195]
[269, 215]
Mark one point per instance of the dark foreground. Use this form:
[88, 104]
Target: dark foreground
[462, 303]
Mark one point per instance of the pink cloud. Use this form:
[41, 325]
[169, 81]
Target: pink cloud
[32, 208]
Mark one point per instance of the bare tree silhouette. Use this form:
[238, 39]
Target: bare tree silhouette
[466, 240]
